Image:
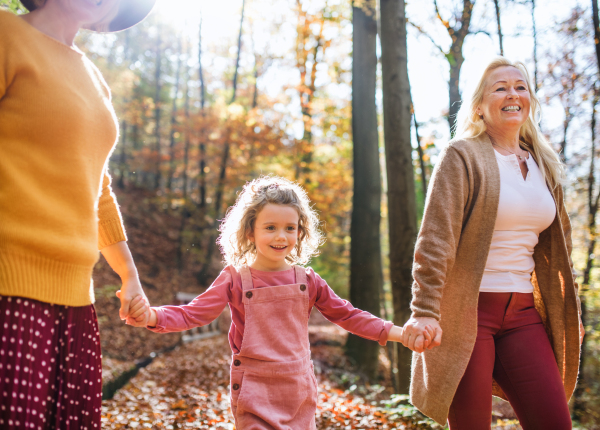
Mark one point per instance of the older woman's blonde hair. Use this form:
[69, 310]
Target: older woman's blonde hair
[236, 247]
[471, 124]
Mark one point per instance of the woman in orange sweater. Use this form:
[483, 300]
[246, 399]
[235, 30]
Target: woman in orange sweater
[57, 130]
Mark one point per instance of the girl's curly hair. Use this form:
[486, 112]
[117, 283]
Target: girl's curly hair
[236, 247]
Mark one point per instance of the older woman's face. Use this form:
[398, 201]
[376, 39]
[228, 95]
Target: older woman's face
[506, 99]
[87, 12]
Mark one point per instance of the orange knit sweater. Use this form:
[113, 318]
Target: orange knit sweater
[57, 130]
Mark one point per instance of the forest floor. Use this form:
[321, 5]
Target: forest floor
[188, 386]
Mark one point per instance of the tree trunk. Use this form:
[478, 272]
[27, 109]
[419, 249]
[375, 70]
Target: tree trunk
[157, 76]
[307, 44]
[255, 92]
[123, 131]
[454, 90]
[237, 61]
[497, 5]
[421, 159]
[596, 32]
[201, 146]
[172, 163]
[365, 255]
[535, 61]
[185, 213]
[579, 408]
[402, 211]
[203, 274]
[456, 59]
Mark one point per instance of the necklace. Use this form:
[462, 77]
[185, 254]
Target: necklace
[520, 157]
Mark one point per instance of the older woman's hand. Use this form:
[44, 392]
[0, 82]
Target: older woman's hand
[130, 294]
[412, 335]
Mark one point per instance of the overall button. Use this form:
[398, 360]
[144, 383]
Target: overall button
[302, 287]
[236, 386]
[249, 294]
[237, 362]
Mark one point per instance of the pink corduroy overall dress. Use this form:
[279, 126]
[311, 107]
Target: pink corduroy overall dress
[273, 385]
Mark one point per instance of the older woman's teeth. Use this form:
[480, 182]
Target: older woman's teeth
[512, 108]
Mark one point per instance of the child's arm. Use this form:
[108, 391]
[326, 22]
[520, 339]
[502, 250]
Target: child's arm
[199, 312]
[365, 324]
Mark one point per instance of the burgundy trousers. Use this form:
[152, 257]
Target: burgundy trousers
[50, 366]
[512, 346]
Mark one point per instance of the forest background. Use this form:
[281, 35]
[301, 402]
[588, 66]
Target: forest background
[210, 95]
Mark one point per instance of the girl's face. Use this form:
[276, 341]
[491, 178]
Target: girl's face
[275, 235]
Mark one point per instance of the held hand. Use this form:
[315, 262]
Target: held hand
[421, 333]
[139, 311]
[129, 290]
[422, 341]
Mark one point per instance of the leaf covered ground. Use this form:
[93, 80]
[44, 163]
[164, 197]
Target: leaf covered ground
[188, 388]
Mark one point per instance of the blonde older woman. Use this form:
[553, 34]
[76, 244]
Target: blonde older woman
[57, 129]
[492, 268]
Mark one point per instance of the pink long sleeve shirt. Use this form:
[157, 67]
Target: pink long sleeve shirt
[227, 289]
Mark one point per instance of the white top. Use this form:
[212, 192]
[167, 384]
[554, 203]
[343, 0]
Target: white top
[526, 208]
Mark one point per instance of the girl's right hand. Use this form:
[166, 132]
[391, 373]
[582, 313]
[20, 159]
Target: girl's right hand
[421, 333]
[139, 311]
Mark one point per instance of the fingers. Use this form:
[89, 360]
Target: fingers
[428, 333]
[140, 321]
[419, 344]
[138, 306]
[437, 340]
[124, 310]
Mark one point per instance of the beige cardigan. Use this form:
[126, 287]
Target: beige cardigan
[450, 257]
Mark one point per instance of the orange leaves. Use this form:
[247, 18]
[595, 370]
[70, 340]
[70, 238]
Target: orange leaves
[188, 388]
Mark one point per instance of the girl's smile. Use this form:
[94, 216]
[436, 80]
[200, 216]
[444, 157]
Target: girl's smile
[275, 235]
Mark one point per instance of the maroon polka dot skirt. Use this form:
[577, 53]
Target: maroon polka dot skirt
[50, 366]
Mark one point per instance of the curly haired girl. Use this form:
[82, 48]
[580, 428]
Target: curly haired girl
[265, 236]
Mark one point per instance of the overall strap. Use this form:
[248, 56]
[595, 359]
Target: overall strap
[246, 278]
[300, 275]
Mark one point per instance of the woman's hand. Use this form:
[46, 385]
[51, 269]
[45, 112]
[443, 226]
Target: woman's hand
[120, 260]
[134, 304]
[581, 333]
[422, 341]
[140, 314]
[412, 333]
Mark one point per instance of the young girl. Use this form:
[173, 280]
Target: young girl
[265, 237]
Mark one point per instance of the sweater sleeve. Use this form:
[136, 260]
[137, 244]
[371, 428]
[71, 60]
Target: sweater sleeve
[342, 313]
[199, 312]
[566, 226]
[7, 53]
[110, 224]
[441, 227]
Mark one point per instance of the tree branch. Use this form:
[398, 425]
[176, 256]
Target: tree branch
[424, 33]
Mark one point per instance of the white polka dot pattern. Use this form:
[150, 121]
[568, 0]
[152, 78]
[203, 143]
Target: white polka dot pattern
[50, 366]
